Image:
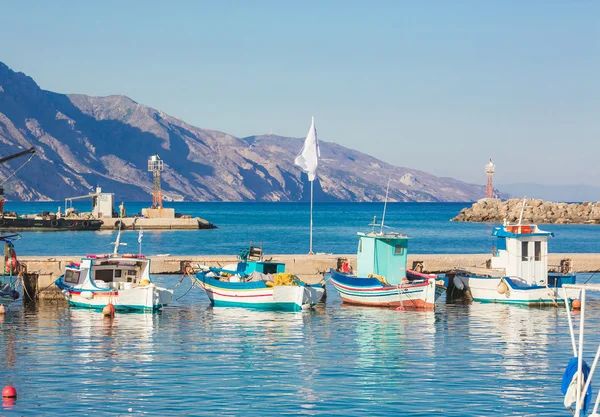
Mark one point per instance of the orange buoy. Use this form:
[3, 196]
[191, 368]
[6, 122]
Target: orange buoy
[576, 304]
[2, 309]
[109, 310]
[9, 392]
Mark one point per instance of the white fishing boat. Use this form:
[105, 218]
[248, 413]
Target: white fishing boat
[121, 280]
[518, 273]
[257, 284]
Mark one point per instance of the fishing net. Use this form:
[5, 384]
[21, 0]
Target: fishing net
[380, 278]
[285, 279]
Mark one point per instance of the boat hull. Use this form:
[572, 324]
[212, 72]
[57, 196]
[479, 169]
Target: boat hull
[60, 224]
[371, 292]
[146, 298]
[8, 294]
[257, 295]
[484, 289]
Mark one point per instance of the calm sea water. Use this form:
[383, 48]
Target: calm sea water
[191, 359]
[283, 229]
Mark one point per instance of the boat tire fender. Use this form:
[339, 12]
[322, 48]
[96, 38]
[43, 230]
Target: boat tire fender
[458, 283]
[54, 223]
[2, 222]
[85, 223]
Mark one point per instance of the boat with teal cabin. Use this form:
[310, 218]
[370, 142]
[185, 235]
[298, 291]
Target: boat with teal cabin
[255, 283]
[382, 278]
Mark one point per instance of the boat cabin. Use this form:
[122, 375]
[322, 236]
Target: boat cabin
[102, 271]
[265, 267]
[522, 251]
[382, 254]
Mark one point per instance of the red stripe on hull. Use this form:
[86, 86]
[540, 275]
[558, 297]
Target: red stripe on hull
[416, 304]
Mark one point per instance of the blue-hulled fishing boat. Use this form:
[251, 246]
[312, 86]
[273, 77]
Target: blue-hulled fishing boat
[382, 279]
[255, 283]
[518, 273]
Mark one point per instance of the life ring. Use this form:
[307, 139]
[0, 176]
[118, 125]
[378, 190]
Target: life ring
[85, 224]
[54, 223]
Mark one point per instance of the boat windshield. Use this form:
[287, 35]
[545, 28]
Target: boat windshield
[118, 274]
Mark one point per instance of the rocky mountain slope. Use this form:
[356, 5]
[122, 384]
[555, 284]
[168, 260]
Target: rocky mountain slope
[85, 141]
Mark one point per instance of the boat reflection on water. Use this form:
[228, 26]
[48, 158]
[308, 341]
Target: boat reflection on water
[126, 337]
[521, 336]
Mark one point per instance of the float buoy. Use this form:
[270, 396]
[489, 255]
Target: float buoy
[459, 284]
[502, 288]
[2, 309]
[576, 304]
[109, 310]
[9, 392]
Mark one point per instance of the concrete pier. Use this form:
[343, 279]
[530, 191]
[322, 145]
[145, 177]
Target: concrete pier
[177, 223]
[43, 270]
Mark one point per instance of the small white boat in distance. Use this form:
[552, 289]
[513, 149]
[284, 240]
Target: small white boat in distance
[122, 280]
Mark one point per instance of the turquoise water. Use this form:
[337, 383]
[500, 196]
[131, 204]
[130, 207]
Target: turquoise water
[191, 359]
[283, 229]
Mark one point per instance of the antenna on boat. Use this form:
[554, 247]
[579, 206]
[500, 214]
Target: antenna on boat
[384, 206]
[373, 224]
[521, 216]
[118, 243]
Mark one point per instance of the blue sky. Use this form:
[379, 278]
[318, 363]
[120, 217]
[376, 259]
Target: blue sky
[439, 86]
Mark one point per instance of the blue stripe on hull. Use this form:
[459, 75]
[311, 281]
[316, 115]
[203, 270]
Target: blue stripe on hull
[117, 307]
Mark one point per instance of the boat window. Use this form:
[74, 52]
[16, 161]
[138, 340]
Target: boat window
[71, 276]
[398, 250]
[105, 275]
[524, 254]
[117, 273]
[538, 251]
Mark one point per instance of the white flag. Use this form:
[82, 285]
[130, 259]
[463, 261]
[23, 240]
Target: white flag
[308, 159]
[140, 235]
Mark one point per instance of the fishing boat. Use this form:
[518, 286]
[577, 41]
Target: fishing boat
[9, 281]
[382, 279]
[121, 280]
[518, 271]
[255, 283]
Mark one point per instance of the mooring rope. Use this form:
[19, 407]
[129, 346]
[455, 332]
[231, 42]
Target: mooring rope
[17, 170]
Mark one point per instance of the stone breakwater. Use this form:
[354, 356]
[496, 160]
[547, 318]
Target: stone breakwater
[536, 211]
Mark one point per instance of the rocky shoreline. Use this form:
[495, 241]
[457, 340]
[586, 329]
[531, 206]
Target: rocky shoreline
[536, 211]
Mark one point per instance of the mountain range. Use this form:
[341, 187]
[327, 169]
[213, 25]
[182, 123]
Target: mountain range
[84, 141]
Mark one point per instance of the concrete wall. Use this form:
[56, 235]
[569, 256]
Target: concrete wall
[157, 224]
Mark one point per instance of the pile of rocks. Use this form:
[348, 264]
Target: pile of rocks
[536, 211]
